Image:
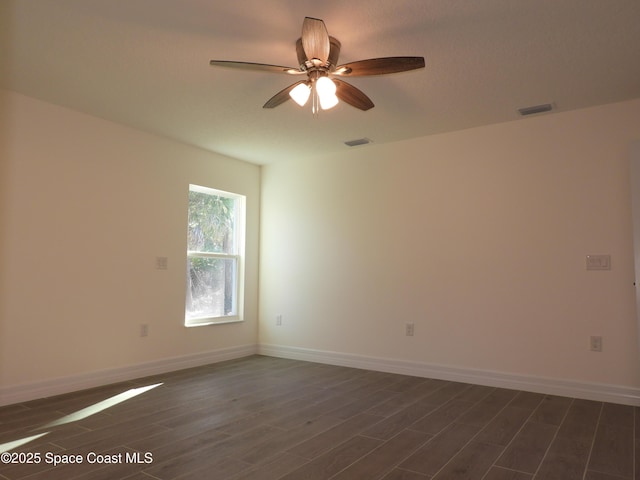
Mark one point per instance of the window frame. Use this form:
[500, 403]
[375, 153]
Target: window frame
[238, 256]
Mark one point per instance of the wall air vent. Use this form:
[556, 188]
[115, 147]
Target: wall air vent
[359, 141]
[545, 107]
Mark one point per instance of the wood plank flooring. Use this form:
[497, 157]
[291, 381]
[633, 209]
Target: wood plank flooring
[267, 418]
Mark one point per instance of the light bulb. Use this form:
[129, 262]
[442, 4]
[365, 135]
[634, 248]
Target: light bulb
[328, 101]
[300, 94]
[325, 86]
[326, 93]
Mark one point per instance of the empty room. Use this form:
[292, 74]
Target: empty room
[305, 240]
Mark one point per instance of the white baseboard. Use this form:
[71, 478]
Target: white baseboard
[58, 386]
[568, 388]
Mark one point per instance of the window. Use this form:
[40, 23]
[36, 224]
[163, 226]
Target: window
[215, 250]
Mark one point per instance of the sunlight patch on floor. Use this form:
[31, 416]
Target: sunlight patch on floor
[100, 406]
[5, 447]
[79, 415]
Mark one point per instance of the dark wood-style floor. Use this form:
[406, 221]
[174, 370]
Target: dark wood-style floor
[266, 418]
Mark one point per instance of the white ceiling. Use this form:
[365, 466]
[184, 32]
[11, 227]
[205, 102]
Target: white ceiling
[145, 63]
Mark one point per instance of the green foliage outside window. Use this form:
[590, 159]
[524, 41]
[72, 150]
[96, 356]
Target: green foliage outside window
[211, 280]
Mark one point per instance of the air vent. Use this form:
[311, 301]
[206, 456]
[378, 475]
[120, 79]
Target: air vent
[546, 107]
[359, 141]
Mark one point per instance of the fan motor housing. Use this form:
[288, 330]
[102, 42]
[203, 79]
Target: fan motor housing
[332, 60]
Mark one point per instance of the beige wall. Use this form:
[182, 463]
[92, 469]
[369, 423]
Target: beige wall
[86, 206]
[478, 237]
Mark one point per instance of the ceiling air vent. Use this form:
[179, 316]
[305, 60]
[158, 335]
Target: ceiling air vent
[359, 141]
[545, 107]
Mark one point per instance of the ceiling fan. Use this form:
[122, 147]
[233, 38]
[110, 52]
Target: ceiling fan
[318, 59]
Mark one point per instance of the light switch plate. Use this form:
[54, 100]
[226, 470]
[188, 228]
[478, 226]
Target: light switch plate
[598, 262]
[162, 263]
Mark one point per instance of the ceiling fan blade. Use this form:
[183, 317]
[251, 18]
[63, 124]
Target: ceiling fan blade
[334, 51]
[351, 95]
[302, 57]
[315, 39]
[261, 67]
[282, 96]
[379, 66]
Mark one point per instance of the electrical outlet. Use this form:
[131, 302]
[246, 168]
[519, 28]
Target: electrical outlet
[278, 320]
[598, 262]
[144, 330]
[595, 343]
[408, 329]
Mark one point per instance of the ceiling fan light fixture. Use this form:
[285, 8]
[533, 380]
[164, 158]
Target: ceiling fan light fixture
[328, 102]
[300, 94]
[326, 90]
[325, 87]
